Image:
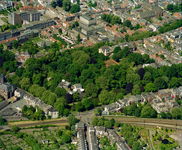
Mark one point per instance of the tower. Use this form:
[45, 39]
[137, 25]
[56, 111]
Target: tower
[2, 79]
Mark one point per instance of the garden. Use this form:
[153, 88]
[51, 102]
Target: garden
[43, 137]
[161, 139]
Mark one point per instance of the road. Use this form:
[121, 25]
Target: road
[67, 39]
[150, 134]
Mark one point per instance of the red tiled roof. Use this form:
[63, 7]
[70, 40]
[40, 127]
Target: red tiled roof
[160, 59]
[89, 43]
[110, 62]
[22, 57]
[154, 56]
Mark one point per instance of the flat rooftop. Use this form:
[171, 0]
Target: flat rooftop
[8, 112]
[20, 103]
[88, 17]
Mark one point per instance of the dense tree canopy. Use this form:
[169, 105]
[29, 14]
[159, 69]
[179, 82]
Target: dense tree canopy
[174, 8]
[85, 65]
[106, 97]
[2, 121]
[111, 19]
[75, 8]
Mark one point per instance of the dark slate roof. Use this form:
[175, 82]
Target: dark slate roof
[3, 104]
[2, 76]
[7, 87]
[147, 4]
[5, 34]
[20, 90]
[93, 140]
[52, 109]
[82, 140]
[147, 14]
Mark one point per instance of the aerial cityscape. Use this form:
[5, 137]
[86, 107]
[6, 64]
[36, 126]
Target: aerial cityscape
[91, 75]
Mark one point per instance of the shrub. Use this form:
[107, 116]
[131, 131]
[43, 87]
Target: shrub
[167, 136]
[15, 128]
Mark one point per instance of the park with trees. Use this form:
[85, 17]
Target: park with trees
[86, 66]
[174, 8]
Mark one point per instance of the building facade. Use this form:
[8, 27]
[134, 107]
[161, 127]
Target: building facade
[19, 17]
[6, 89]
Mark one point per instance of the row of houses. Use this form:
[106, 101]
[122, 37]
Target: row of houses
[162, 101]
[95, 132]
[151, 47]
[23, 98]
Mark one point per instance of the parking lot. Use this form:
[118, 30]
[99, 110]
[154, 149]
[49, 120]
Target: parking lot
[67, 39]
[10, 113]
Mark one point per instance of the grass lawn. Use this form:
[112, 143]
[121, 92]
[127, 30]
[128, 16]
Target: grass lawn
[145, 133]
[168, 131]
[129, 94]
[169, 145]
[155, 143]
[161, 143]
[36, 39]
[14, 50]
[4, 19]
